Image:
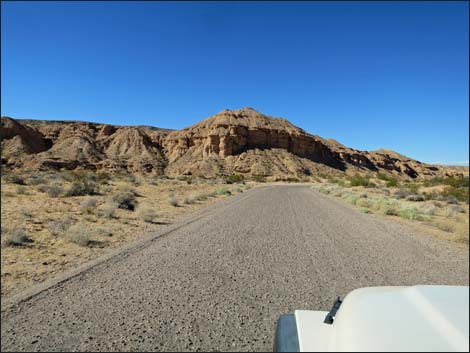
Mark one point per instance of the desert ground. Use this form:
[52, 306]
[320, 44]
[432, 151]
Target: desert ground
[218, 279]
[46, 230]
[55, 221]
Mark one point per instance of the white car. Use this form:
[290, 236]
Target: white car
[417, 318]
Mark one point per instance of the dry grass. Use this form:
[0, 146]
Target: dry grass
[407, 202]
[53, 220]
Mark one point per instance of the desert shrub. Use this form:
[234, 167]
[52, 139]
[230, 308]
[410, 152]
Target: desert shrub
[54, 190]
[224, 191]
[82, 189]
[451, 181]
[42, 188]
[235, 178]
[80, 235]
[363, 195]
[15, 179]
[415, 198]
[259, 178]
[363, 203]
[187, 200]
[340, 182]
[292, 180]
[173, 201]
[402, 193]
[360, 180]
[36, 180]
[88, 206]
[385, 206]
[428, 209]
[445, 227]
[352, 199]
[452, 210]
[21, 190]
[147, 214]
[459, 193]
[16, 237]
[83, 183]
[59, 226]
[109, 210]
[365, 210]
[103, 177]
[450, 199]
[125, 199]
[134, 180]
[410, 213]
[392, 182]
[25, 213]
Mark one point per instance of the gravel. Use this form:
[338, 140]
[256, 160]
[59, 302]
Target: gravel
[220, 281]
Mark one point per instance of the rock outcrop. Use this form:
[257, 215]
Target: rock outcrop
[240, 141]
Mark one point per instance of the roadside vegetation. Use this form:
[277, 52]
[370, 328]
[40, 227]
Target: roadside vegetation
[441, 203]
[52, 221]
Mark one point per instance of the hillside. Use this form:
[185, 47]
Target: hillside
[240, 141]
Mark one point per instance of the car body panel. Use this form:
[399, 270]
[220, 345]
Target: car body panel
[417, 318]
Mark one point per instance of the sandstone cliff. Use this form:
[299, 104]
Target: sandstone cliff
[240, 141]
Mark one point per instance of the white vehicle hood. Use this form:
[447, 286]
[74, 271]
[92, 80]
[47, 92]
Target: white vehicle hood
[419, 318]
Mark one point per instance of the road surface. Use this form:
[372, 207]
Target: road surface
[220, 280]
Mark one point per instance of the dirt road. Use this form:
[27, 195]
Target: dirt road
[220, 280]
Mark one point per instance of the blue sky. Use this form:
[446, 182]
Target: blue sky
[371, 75]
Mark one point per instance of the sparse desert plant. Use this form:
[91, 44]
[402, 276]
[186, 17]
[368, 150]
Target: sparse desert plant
[109, 210]
[365, 210]
[415, 198]
[352, 199]
[187, 200]
[80, 235]
[359, 180]
[125, 199]
[147, 214]
[25, 213]
[410, 213]
[363, 195]
[402, 193]
[451, 200]
[453, 210]
[82, 189]
[428, 209]
[16, 237]
[15, 179]
[173, 201]
[21, 190]
[259, 178]
[363, 203]
[134, 180]
[55, 190]
[59, 226]
[88, 206]
[235, 178]
[224, 191]
[41, 188]
[36, 180]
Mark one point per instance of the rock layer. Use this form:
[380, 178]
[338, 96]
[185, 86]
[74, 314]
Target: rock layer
[240, 141]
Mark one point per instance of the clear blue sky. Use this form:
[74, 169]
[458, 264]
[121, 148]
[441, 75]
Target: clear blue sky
[370, 75]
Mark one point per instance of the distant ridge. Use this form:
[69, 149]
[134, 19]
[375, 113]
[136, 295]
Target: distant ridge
[242, 141]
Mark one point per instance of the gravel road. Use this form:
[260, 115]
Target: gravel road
[220, 280]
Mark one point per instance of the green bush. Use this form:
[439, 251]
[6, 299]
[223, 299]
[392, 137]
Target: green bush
[359, 180]
[460, 193]
[235, 178]
[259, 178]
[83, 183]
[224, 191]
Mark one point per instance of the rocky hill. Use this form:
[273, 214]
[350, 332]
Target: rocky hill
[240, 141]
